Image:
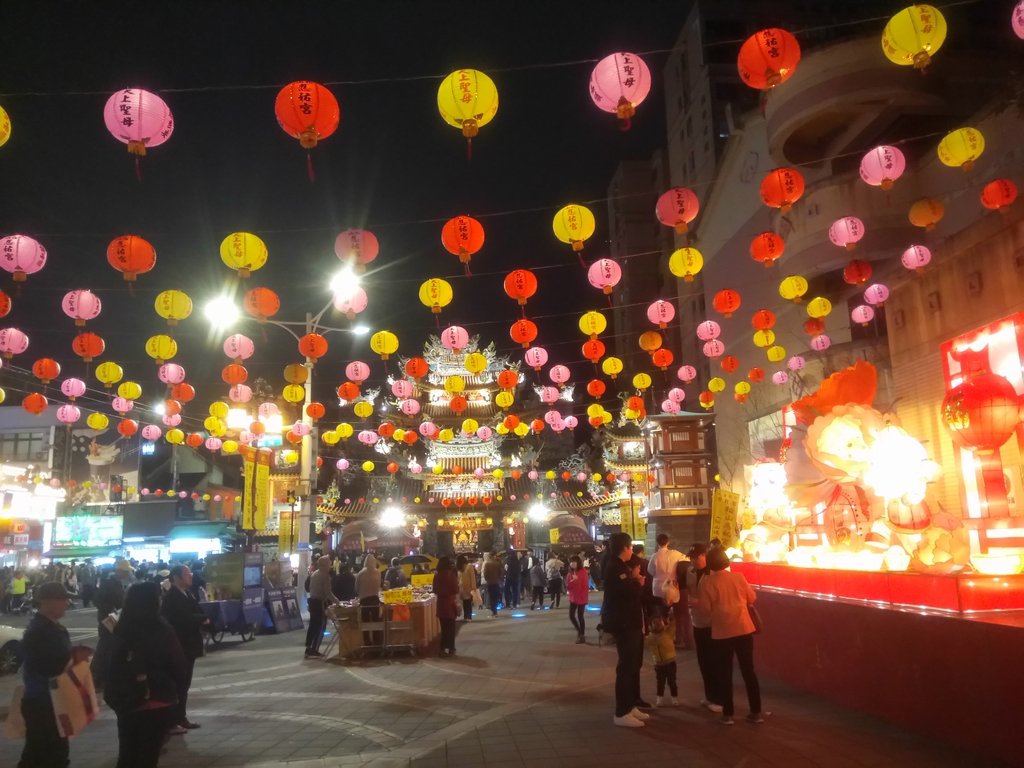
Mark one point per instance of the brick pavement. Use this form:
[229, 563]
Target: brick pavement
[518, 693]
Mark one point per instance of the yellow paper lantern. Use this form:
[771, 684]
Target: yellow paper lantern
[594, 410]
[685, 263]
[522, 429]
[475, 362]
[592, 324]
[793, 287]
[612, 367]
[129, 390]
[368, 466]
[596, 477]
[436, 294]
[175, 436]
[467, 99]
[344, 430]
[296, 373]
[5, 126]
[776, 354]
[641, 381]
[109, 374]
[913, 36]
[384, 343]
[219, 409]
[606, 418]
[960, 148]
[764, 339]
[632, 414]
[173, 306]
[454, 384]
[574, 224]
[161, 348]
[398, 435]
[330, 437]
[97, 421]
[3, 394]
[742, 388]
[294, 393]
[437, 469]
[501, 429]
[212, 424]
[717, 384]
[504, 399]
[550, 475]
[819, 307]
[243, 252]
[363, 409]
[446, 435]
[498, 474]
[230, 446]
[470, 426]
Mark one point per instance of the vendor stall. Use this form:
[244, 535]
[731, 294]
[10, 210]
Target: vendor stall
[234, 581]
[407, 625]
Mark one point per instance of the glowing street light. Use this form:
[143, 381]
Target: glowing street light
[221, 312]
[391, 517]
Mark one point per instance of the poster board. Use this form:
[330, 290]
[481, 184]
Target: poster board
[283, 607]
[422, 579]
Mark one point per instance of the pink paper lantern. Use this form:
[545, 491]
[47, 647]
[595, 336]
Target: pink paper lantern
[780, 377]
[341, 464]
[846, 232]
[68, 414]
[367, 437]
[916, 257]
[604, 274]
[619, 83]
[536, 357]
[876, 294]
[485, 433]
[862, 314]
[357, 246]
[240, 393]
[669, 406]
[21, 255]
[549, 395]
[122, 405]
[581, 477]
[796, 363]
[351, 303]
[357, 371]
[139, 119]
[708, 330]
[714, 348]
[552, 417]
[478, 472]
[81, 306]
[244, 436]
[882, 166]
[237, 346]
[532, 474]
[429, 430]
[661, 313]
[171, 419]
[72, 388]
[171, 373]
[1018, 19]
[12, 342]
[213, 444]
[409, 407]
[151, 432]
[677, 208]
[401, 389]
[268, 410]
[571, 422]
[416, 468]
[559, 374]
[821, 342]
[686, 373]
[455, 338]
[676, 395]
[301, 428]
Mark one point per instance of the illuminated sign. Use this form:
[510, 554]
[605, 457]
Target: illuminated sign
[88, 531]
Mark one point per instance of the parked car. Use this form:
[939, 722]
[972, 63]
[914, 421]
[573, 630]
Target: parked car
[10, 649]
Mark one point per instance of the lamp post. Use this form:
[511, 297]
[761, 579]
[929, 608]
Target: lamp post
[222, 313]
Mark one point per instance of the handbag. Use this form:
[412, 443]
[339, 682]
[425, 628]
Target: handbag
[74, 699]
[671, 593]
[755, 617]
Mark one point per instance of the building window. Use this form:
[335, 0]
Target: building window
[24, 446]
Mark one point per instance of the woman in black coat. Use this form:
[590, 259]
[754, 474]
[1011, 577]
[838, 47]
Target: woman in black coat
[147, 670]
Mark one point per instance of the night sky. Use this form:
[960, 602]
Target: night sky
[393, 166]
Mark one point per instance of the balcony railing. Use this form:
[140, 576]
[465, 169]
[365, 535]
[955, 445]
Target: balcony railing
[690, 498]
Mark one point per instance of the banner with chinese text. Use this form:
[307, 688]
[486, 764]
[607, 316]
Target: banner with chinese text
[725, 507]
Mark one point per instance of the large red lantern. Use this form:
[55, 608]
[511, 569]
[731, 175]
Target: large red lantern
[261, 303]
[315, 410]
[463, 236]
[127, 427]
[781, 188]
[508, 379]
[131, 256]
[998, 194]
[768, 58]
[348, 391]
[596, 388]
[88, 346]
[5, 304]
[46, 369]
[814, 326]
[982, 412]
[520, 284]
[857, 272]
[726, 302]
[34, 403]
[183, 392]
[662, 358]
[194, 440]
[767, 248]
[523, 332]
[313, 346]
[763, 320]
[307, 111]
[756, 374]
[234, 373]
[729, 364]
[458, 404]
[593, 350]
[417, 368]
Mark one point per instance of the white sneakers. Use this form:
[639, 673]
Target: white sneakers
[641, 716]
[710, 706]
[660, 702]
[627, 721]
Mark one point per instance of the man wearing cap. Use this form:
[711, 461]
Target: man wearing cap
[47, 650]
[109, 599]
[622, 615]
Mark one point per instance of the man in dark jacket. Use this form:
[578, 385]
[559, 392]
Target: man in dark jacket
[622, 615]
[47, 649]
[186, 618]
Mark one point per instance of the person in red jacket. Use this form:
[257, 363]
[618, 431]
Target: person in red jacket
[578, 585]
[446, 589]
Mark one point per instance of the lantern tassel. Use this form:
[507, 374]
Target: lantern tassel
[309, 168]
[138, 170]
[469, 149]
[437, 320]
[579, 255]
[465, 266]
[610, 305]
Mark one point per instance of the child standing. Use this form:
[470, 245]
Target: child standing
[661, 644]
[538, 583]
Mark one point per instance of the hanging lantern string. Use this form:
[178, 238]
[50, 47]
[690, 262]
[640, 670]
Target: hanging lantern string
[509, 68]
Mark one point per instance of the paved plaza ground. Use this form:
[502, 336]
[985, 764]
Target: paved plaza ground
[519, 692]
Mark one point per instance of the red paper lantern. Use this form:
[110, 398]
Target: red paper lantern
[508, 379]
[458, 404]
[596, 388]
[131, 256]
[857, 272]
[726, 302]
[409, 437]
[34, 403]
[763, 320]
[462, 236]
[417, 368]
[234, 373]
[511, 421]
[707, 399]
[781, 188]
[768, 58]
[756, 374]
[537, 425]
[46, 369]
[523, 332]
[5, 304]
[348, 391]
[997, 195]
[387, 429]
[183, 392]
[261, 303]
[313, 346]
[315, 410]
[730, 364]
[766, 248]
[593, 350]
[127, 427]
[392, 467]
[662, 358]
[982, 412]
[814, 326]
[194, 440]
[521, 284]
[88, 346]
[257, 428]
[172, 407]
[307, 111]
[595, 421]
[635, 403]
